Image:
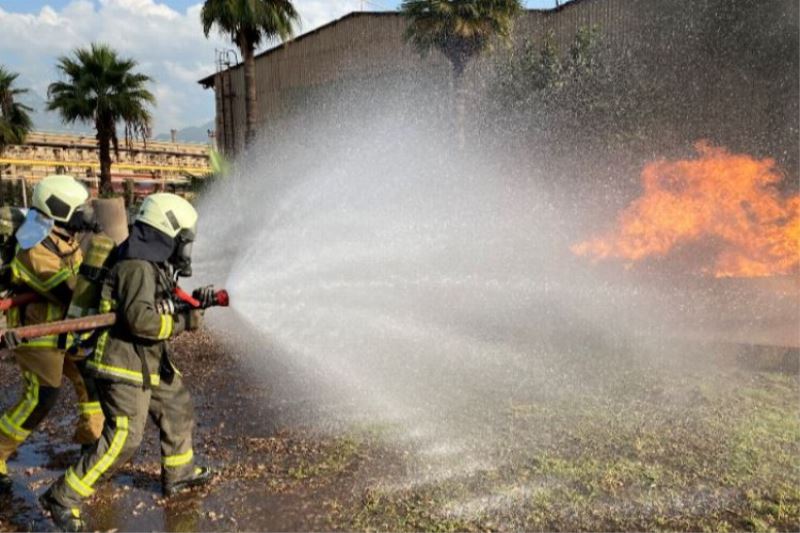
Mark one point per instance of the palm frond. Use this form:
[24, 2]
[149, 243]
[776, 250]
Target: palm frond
[460, 29]
[15, 121]
[99, 86]
[250, 22]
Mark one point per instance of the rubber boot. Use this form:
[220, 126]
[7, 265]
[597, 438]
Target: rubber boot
[88, 448]
[7, 447]
[202, 476]
[65, 518]
[5, 480]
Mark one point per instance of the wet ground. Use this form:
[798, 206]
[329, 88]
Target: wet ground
[684, 450]
[270, 478]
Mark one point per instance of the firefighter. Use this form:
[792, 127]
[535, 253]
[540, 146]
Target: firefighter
[46, 261]
[132, 363]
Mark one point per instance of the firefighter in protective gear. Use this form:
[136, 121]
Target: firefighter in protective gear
[132, 363]
[46, 261]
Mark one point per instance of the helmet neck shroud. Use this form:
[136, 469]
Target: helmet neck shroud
[148, 244]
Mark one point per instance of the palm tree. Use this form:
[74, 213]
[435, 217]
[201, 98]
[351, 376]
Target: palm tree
[247, 23]
[101, 87]
[461, 30]
[15, 123]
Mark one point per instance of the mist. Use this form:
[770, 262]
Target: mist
[381, 274]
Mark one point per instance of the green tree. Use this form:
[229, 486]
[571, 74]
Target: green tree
[566, 100]
[15, 122]
[101, 87]
[461, 30]
[248, 23]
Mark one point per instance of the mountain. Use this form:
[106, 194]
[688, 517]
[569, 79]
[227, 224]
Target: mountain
[44, 120]
[192, 134]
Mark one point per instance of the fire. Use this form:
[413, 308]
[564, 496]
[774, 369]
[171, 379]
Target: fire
[721, 197]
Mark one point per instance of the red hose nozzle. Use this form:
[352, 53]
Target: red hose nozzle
[221, 298]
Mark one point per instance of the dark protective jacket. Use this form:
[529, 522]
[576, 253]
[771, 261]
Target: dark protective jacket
[134, 349]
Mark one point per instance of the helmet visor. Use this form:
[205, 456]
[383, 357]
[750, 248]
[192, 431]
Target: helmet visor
[182, 259]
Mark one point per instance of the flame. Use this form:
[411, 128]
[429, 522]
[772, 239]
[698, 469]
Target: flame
[728, 197]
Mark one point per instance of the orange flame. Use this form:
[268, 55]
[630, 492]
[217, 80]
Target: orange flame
[729, 197]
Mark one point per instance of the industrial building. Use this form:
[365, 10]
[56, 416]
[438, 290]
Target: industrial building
[149, 166]
[732, 98]
[367, 45]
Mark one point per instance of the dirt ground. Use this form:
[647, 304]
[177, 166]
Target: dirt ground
[680, 452]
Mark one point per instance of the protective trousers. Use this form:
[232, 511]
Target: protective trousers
[126, 407]
[42, 371]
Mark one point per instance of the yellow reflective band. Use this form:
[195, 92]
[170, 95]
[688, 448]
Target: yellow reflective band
[3, 467]
[21, 272]
[89, 408]
[21, 413]
[76, 513]
[107, 305]
[178, 460]
[42, 342]
[12, 317]
[125, 373]
[76, 484]
[101, 346]
[167, 324]
[13, 431]
[108, 458]
[53, 312]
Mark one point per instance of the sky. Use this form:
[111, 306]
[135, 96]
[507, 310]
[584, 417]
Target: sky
[164, 36]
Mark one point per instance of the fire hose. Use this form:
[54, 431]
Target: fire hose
[19, 300]
[184, 302]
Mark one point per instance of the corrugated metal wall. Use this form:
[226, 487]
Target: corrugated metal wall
[365, 45]
[358, 45]
[372, 43]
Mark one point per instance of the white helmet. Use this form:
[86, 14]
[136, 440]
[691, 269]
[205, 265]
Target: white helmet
[59, 196]
[168, 213]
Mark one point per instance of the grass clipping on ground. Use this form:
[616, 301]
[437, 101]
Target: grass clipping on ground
[722, 457]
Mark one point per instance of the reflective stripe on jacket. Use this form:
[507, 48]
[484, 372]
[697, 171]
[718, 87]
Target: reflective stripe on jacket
[139, 336]
[44, 268]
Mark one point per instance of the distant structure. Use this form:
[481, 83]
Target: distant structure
[151, 166]
[735, 97]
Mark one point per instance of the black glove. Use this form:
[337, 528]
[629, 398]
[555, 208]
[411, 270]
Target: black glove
[205, 295]
[193, 319]
[11, 340]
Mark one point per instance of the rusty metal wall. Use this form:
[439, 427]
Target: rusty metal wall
[370, 44]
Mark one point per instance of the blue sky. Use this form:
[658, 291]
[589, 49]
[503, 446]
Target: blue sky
[181, 5]
[164, 36]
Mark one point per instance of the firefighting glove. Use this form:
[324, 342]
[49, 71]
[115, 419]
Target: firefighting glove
[205, 295]
[10, 340]
[165, 307]
[193, 318]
